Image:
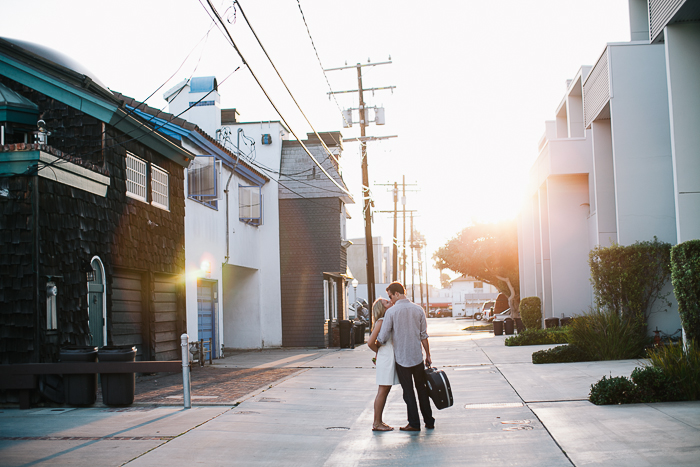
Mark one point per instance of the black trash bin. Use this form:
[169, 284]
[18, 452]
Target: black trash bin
[345, 327]
[551, 323]
[117, 388]
[509, 326]
[79, 389]
[497, 328]
[565, 321]
[359, 332]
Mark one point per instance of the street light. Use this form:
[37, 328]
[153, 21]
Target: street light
[355, 283]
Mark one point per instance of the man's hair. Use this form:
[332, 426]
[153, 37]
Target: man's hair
[396, 287]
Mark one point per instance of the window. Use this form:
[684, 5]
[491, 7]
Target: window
[159, 188]
[203, 180]
[250, 204]
[478, 285]
[136, 178]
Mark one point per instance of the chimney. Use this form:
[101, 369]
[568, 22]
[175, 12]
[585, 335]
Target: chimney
[201, 97]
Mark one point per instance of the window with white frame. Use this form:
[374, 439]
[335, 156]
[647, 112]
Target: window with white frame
[160, 188]
[250, 204]
[203, 180]
[136, 177]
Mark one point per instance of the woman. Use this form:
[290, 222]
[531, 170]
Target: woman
[386, 366]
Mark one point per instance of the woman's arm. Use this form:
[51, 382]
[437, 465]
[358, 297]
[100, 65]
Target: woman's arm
[372, 342]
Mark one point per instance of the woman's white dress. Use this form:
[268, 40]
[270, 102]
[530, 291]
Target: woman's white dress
[386, 365]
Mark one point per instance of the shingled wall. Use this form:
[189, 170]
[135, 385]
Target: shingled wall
[310, 244]
[75, 225]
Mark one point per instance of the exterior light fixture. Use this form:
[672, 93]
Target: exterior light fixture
[355, 283]
[88, 270]
[206, 268]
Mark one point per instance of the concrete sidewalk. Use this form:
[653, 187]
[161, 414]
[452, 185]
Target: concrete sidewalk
[507, 412]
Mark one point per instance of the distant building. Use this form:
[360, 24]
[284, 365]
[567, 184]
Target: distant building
[468, 294]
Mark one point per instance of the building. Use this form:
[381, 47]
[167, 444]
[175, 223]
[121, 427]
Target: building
[632, 174]
[92, 232]
[468, 294]
[232, 218]
[313, 241]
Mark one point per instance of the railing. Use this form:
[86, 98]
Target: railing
[596, 89]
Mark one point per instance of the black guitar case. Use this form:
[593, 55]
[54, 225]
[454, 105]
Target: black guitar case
[439, 388]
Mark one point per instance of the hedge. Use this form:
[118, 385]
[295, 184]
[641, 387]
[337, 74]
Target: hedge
[531, 312]
[685, 276]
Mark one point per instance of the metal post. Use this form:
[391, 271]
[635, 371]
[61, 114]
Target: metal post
[184, 343]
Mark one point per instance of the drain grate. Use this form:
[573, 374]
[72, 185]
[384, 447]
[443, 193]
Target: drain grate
[494, 405]
[247, 412]
[338, 428]
[516, 422]
[269, 399]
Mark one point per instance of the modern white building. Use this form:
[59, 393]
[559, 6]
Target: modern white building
[620, 162]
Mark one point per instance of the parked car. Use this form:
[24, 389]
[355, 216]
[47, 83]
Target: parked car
[501, 316]
[486, 309]
[443, 313]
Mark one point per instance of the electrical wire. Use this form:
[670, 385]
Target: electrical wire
[347, 124]
[262, 88]
[283, 82]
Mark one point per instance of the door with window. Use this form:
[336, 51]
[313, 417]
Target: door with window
[206, 313]
[96, 308]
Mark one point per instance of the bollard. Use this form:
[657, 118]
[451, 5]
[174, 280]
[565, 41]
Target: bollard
[185, 370]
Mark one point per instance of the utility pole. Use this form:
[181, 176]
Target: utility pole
[427, 286]
[367, 203]
[395, 189]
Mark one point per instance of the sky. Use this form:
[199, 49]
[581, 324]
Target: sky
[475, 81]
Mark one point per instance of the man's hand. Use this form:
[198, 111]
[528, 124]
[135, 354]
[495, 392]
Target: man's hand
[428, 361]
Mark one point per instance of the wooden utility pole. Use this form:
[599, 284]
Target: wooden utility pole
[366, 201]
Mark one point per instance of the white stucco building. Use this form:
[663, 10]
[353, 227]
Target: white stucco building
[469, 294]
[620, 162]
[231, 218]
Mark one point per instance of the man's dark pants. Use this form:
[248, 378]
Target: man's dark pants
[407, 376]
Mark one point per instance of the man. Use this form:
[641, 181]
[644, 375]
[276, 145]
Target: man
[405, 323]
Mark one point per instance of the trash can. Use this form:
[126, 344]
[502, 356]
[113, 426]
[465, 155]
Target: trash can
[79, 389]
[565, 321]
[519, 326]
[509, 326]
[359, 332]
[551, 323]
[345, 328]
[497, 328]
[117, 388]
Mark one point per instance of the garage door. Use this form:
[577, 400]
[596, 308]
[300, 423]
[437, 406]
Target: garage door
[127, 310]
[165, 312]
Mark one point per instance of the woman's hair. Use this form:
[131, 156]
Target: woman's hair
[378, 310]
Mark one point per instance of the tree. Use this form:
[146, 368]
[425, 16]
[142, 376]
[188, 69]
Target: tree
[488, 252]
[444, 280]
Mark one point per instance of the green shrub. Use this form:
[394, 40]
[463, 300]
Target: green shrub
[682, 366]
[605, 335]
[531, 312]
[560, 354]
[629, 279]
[613, 390]
[653, 385]
[539, 337]
[685, 276]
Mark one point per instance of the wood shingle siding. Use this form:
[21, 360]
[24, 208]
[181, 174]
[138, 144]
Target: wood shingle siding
[141, 246]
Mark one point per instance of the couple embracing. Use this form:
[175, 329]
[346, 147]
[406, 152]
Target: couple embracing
[399, 337]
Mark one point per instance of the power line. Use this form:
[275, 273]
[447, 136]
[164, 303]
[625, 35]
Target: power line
[262, 88]
[347, 124]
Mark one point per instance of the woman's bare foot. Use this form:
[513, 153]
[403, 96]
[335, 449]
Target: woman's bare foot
[382, 427]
